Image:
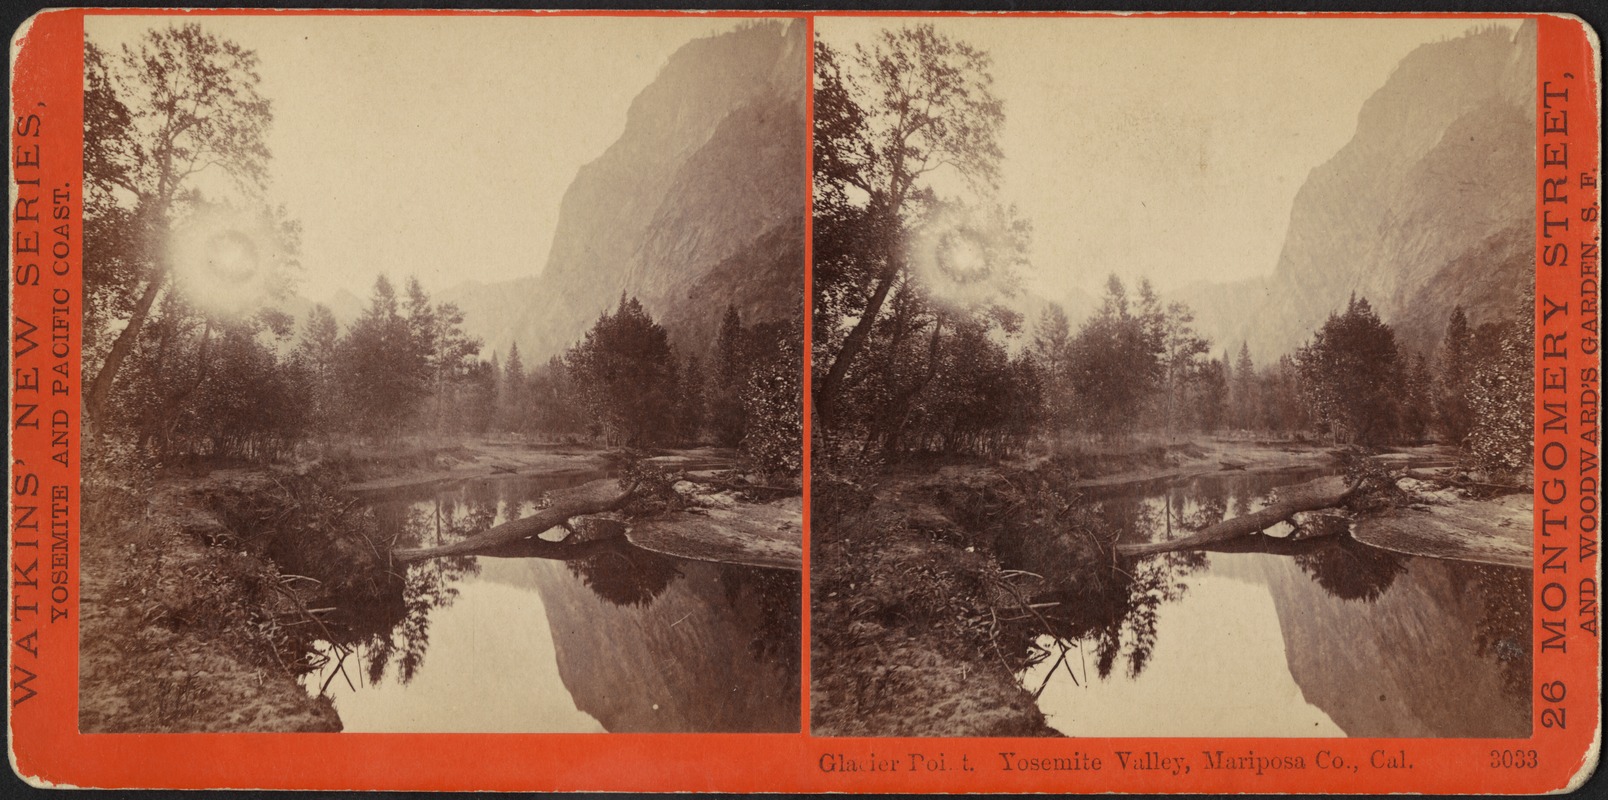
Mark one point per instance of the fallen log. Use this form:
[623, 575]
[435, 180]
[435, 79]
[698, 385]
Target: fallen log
[1310, 496]
[595, 497]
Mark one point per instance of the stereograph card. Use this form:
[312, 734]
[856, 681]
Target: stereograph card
[811, 401]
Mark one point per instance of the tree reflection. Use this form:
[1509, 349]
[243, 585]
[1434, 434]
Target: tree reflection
[1349, 569]
[428, 586]
[626, 575]
[1504, 628]
[776, 598]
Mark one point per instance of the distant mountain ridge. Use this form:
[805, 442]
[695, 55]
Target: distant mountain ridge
[1431, 204]
[699, 203]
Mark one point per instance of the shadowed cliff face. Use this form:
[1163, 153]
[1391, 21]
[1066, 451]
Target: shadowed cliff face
[1430, 205]
[710, 169]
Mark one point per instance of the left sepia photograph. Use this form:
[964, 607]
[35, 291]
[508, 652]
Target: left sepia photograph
[442, 374]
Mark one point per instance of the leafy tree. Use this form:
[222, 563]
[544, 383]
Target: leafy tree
[914, 102]
[1502, 398]
[179, 103]
[774, 438]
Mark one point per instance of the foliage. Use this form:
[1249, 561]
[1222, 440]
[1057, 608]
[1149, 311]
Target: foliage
[1502, 400]
[1117, 359]
[1452, 384]
[773, 440]
[177, 106]
[891, 114]
[625, 373]
[1351, 376]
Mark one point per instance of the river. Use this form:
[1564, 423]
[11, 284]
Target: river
[625, 640]
[1338, 639]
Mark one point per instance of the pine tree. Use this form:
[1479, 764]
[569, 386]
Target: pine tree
[380, 368]
[1245, 393]
[513, 398]
[1453, 411]
[626, 374]
[1350, 375]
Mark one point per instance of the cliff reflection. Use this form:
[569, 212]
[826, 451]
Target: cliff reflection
[631, 640]
[1384, 644]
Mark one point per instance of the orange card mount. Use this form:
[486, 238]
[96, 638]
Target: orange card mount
[804, 402]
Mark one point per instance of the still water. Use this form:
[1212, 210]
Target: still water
[1332, 639]
[623, 640]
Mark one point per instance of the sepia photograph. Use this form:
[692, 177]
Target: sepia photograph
[1172, 377]
[443, 373]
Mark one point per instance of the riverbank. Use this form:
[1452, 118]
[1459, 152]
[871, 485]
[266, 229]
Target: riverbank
[178, 633]
[914, 570]
[197, 586]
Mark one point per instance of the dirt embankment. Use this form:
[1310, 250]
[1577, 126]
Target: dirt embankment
[902, 621]
[203, 597]
[180, 632]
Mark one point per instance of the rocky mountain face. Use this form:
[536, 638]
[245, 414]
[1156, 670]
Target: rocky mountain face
[700, 203]
[1430, 205]
[1427, 208]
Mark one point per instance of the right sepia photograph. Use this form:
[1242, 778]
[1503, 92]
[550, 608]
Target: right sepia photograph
[1172, 377]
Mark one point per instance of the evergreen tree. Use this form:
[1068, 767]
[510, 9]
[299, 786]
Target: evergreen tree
[1117, 359]
[1052, 351]
[1452, 406]
[727, 415]
[626, 374]
[513, 398]
[318, 352]
[1350, 376]
[384, 382]
[1246, 399]
[693, 407]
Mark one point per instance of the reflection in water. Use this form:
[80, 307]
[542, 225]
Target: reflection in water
[1273, 637]
[615, 639]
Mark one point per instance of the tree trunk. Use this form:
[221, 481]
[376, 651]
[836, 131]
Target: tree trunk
[1311, 496]
[589, 498]
[827, 395]
[101, 388]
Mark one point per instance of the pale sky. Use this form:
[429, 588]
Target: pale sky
[439, 146]
[1170, 147]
